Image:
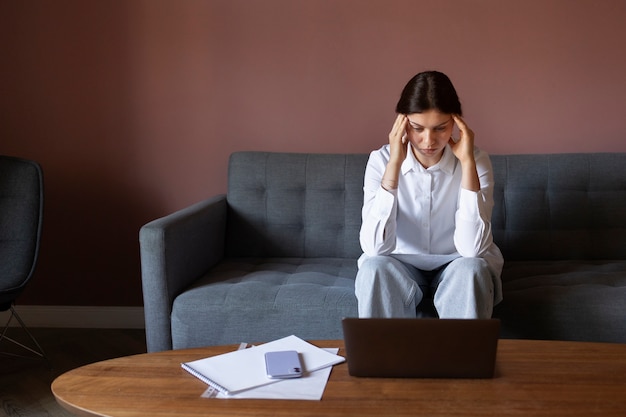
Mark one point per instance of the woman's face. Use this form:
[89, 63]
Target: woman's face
[429, 133]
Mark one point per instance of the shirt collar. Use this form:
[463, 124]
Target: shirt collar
[445, 164]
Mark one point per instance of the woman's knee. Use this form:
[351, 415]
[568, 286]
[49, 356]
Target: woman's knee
[376, 262]
[385, 274]
[474, 272]
[478, 265]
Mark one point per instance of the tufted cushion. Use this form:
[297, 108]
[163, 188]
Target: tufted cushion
[562, 206]
[569, 300]
[256, 300]
[295, 205]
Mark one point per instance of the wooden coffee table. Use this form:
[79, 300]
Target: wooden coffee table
[533, 378]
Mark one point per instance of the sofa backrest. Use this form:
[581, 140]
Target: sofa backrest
[560, 206]
[294, 205]
[547, 206]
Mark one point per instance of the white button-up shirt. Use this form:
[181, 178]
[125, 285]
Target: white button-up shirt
[429, 220]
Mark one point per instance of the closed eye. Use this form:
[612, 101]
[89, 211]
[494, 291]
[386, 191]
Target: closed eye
[438, 128]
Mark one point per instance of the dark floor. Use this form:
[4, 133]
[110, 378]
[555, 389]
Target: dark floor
[25, 383]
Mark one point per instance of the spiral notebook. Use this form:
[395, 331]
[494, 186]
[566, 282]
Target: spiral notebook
[244, 369]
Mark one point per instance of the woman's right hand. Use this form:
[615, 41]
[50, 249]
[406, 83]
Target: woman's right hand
[398, 139]
[398, 149]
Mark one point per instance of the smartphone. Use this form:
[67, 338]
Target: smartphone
[283, 364]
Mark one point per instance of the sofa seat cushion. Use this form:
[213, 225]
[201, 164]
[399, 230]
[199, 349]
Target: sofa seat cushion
[568, 300]
[262, 299]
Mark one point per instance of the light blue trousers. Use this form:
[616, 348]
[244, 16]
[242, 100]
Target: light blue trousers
[387, 287]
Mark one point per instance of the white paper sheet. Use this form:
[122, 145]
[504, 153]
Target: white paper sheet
[309, 387]
[241, 370]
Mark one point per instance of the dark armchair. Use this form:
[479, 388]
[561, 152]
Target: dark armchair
[21, 212]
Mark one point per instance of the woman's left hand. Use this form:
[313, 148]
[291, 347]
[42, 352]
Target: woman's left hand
[463, 148]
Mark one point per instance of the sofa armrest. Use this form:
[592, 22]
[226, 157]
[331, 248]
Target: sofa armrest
[175, 251]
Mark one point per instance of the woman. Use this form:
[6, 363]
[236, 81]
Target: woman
[426, 230]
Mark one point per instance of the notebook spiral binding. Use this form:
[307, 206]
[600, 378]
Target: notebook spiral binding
[204, 379]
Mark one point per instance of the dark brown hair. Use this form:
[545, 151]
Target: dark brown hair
[429, 90]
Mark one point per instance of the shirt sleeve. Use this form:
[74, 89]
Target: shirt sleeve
[380, 206]
[473, 236]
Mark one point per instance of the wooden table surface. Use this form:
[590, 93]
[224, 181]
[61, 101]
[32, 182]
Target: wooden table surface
[533, 378]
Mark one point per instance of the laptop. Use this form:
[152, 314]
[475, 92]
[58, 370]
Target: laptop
[421, 348]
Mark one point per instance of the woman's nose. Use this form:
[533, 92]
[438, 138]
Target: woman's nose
[428, 138]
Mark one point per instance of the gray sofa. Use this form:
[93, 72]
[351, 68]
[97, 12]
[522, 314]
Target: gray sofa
[277, 255]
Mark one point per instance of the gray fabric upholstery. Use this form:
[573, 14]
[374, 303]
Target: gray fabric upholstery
[277, 256]
[565, 300]
[560, 221]
[295, 205]
[260, 299]
[21, 214]
[564, 206]
[175, 251]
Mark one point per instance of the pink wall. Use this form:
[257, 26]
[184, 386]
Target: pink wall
[133, 106]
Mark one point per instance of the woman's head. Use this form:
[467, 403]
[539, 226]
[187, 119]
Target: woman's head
[429, 90]
[428, 101]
